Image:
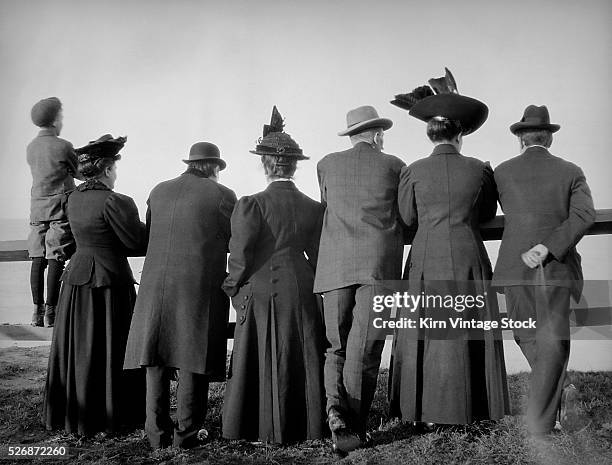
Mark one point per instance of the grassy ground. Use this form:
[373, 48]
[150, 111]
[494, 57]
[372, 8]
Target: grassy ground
[22, 377]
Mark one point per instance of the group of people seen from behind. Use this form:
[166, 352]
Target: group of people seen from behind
[301, 276]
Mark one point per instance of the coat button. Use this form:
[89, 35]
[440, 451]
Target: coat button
[274, 294]
[219, 236]
[274, 280]
[243, 307]
[274, 267]
[246, 297]
[242, 318]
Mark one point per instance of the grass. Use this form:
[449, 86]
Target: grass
[22, 377]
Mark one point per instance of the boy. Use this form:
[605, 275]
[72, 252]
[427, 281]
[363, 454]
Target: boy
[53, 164]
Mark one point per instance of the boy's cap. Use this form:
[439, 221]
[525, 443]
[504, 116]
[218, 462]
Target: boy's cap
[45, 111]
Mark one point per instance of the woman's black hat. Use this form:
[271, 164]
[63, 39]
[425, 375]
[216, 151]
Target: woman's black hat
[276, 141]
[103, 147]
[443, 100]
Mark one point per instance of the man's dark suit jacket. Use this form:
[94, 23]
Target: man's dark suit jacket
[181, 313]
[545, 200]
[361, 240]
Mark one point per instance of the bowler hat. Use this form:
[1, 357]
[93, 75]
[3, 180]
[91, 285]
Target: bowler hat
[205, 151]
[446, 102]
[535, 117]
[105, 146]
[362, 118]
[276, 141]
[45, 111]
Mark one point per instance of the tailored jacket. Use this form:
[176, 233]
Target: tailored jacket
[447, 195]
[546, 200]
[362, 237]
[181, 313]
[263, 233]
[449, 381]
[107, 229]
[53, 164]
[275, 388]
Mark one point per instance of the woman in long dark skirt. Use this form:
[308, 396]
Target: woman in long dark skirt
[275, 390]
[87, 390]
[448, 376]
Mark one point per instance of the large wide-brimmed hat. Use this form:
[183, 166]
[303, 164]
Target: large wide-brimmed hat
[105, 146]
[443, 100]
[363, 118]
[276, 141]
[45, 111]
[535, 117]
[205, 151]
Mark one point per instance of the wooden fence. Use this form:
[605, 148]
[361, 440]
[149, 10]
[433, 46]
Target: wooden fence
[15, 251]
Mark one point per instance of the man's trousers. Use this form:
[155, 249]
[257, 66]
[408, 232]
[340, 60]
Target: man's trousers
[546, 348]
[192, 402]
[353, 358]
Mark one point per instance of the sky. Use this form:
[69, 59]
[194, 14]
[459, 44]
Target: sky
[169, 74]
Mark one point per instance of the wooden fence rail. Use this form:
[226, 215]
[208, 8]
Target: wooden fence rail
[16, 251]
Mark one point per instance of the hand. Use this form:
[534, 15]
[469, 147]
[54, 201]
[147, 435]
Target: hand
[535, 256]
[231, 291]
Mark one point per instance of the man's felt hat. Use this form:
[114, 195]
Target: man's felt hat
[534, 117]
[205, 151]
[363, 118]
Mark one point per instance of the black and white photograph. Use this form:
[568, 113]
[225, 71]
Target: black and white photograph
[295, 232]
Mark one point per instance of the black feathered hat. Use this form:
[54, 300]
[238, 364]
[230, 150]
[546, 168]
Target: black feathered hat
[103, 147]
[276, 141]
[443, 100]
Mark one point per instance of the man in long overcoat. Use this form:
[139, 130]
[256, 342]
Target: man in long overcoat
[361, 244]
[181, 313]
[548, 208]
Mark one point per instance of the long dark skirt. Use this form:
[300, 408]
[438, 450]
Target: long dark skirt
[87, 390]
[274, 391]
[450, 376]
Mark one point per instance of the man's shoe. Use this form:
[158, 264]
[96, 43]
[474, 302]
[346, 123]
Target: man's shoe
[569, 401]
[161, 443]
[49, 318]
[343, 439]
[202, 435]
[571, 418]
[38, 317]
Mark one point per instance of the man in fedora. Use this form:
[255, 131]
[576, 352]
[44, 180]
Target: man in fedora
[181, 313]
[361, 244]
[548, 208]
